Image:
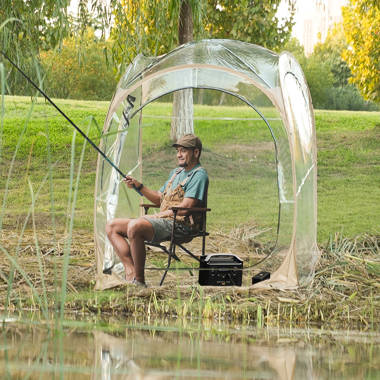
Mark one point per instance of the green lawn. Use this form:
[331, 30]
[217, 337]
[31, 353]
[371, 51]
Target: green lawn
[238, 154]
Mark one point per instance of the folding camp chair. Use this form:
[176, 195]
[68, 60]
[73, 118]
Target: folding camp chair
[174, 242]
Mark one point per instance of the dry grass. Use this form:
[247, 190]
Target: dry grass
[344, 293]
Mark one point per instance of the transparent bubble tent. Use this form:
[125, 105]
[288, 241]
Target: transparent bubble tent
[238, 69]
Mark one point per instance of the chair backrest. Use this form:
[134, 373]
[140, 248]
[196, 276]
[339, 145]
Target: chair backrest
[204, 218]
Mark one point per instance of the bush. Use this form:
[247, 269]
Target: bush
[79, 72]
[348, 98]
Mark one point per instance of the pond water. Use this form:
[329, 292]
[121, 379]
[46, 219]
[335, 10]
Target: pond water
[182, 350]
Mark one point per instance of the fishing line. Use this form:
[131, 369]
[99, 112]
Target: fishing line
[68, 119]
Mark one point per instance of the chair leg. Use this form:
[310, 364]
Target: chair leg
[171, 255]
[166, 270]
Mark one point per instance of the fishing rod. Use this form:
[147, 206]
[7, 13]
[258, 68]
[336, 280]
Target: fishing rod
[69, 120]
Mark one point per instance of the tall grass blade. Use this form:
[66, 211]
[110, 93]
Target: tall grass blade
[26, 278]
[71, 180]
[98, 128]
[2, 81]
[39, 256]
[259, 317]
[69, 221]
[9, 20]
[51, 184]
[10, 172]
[71, 215]
[12, 269]
[52, 214]
[5, 196]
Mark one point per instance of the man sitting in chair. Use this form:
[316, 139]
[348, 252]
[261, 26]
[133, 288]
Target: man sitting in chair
[186, 187]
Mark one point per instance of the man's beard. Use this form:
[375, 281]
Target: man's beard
[184, 165]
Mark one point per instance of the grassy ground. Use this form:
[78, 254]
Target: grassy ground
[239, 157]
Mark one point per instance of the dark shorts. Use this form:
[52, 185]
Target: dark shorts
[162, 228]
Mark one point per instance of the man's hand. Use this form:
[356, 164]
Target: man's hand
[152, 195]
[162, 214]
[131, 182]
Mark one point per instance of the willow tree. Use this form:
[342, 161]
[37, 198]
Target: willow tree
[256, 22]
[154, 27]
[27, 27]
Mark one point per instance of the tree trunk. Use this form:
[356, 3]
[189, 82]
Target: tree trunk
[200, 96]
[185, 24]
[222, 97]
[182, 121]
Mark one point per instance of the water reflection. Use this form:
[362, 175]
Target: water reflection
[167, 351]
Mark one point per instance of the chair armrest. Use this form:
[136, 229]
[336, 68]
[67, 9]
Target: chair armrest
[149, 205]
[193, 209]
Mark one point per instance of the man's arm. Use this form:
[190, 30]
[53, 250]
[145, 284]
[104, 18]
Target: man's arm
[152, 195]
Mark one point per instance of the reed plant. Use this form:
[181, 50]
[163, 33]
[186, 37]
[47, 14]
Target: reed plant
[2, 89]
[41, 293]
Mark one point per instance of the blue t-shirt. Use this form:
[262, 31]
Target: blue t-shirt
[195, 186]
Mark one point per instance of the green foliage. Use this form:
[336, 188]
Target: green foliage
[328, 75]
[149, 27]
[79, 71]
[319, 79]
[293, 46]
[33, 25]
[26, 28]
[30, 28]
[347, 98]
[330, 52]
[250, 21]
[361, 21]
